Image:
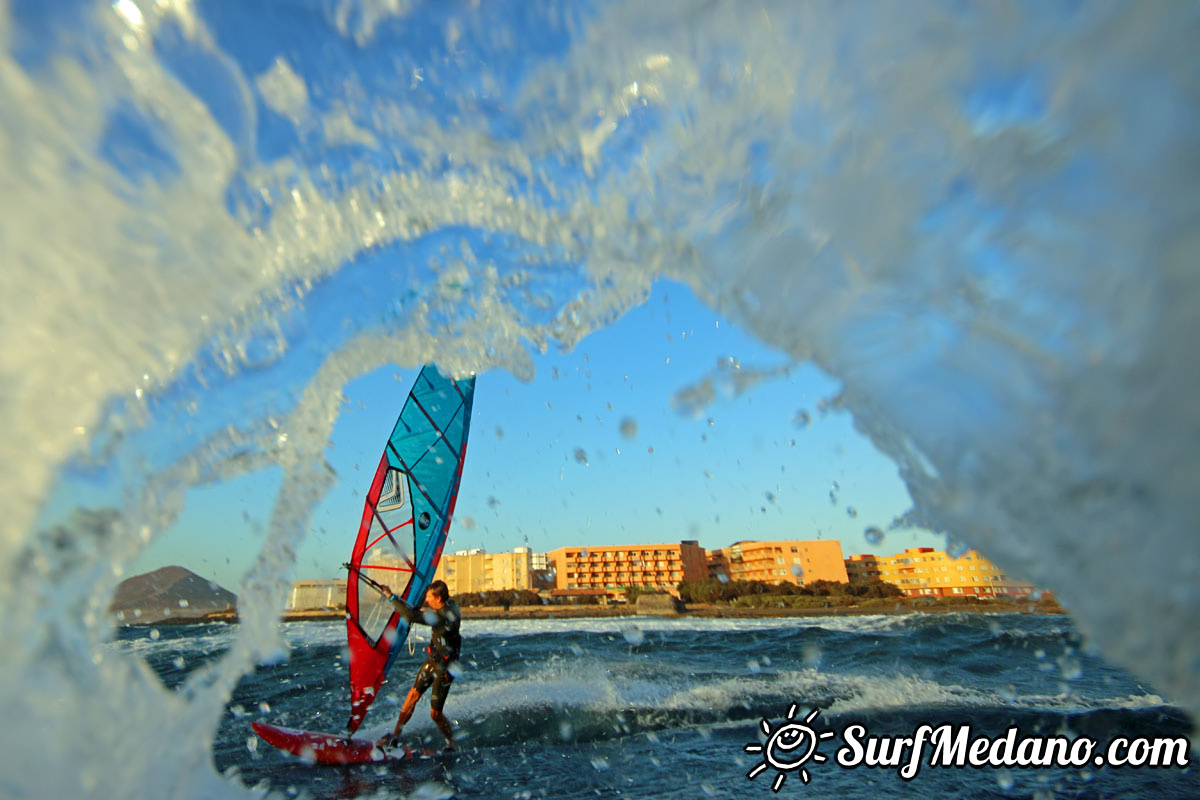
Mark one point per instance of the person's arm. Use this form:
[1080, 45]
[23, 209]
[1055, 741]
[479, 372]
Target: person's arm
[410, 614]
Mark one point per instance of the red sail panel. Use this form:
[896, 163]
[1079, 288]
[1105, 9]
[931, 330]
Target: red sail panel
[368, 655]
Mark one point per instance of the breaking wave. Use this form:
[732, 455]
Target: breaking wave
[980, 219]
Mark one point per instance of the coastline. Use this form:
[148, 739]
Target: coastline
[715, 611]
[694, 610]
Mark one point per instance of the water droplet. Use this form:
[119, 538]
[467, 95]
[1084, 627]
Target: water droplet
[851, 512]
[812, 655]
[711, 422]
[499, 432]
[771, 497]
[629, 427]
[753, 666]
[1070, 666]
[801, 419]
[722, 577]
[581, 456]
[634, 635]
[492, 502]
[154, 634]
[183, 603]
[431, 790]
[873, 535]
[1004, 779]
[798, 571]
[833, 498]
[600, 764]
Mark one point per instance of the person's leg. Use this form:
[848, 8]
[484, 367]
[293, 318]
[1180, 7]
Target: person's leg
[437, 699]
[406, 710]
[424, 679]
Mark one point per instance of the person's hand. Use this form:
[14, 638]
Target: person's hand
[387, 590]
[388, 741]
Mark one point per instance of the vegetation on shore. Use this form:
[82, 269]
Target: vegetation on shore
[756, 593]
[504, 598]
[873, 595]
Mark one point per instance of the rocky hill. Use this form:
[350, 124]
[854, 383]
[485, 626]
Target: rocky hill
[169, 594]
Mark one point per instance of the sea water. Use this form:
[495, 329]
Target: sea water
[980, 219]
[665, 708]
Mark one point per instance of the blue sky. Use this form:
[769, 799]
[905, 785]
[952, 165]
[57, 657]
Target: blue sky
[594, 451]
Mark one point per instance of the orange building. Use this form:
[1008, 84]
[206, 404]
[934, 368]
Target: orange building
[614, 567]
[862, 568]
[925, 572]
[792, 561]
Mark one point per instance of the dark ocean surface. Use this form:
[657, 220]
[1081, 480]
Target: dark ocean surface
[664, 708]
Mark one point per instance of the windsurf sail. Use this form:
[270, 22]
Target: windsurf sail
[404, 524]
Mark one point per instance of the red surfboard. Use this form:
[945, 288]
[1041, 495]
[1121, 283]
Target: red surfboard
[328, 748]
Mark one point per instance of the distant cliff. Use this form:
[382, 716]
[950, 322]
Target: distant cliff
[169, 594]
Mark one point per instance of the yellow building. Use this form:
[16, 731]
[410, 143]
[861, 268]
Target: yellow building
[923, 571]
[467, 570]
[479, 571]
[658, 567]
[792, 561]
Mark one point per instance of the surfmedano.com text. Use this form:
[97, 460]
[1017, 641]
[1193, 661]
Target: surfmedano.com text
[954, 746]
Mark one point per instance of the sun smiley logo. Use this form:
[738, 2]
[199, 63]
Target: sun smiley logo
[788, 748]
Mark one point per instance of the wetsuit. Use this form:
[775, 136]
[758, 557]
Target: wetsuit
[443, 649]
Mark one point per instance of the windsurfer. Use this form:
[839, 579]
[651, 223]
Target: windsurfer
[443, 616]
